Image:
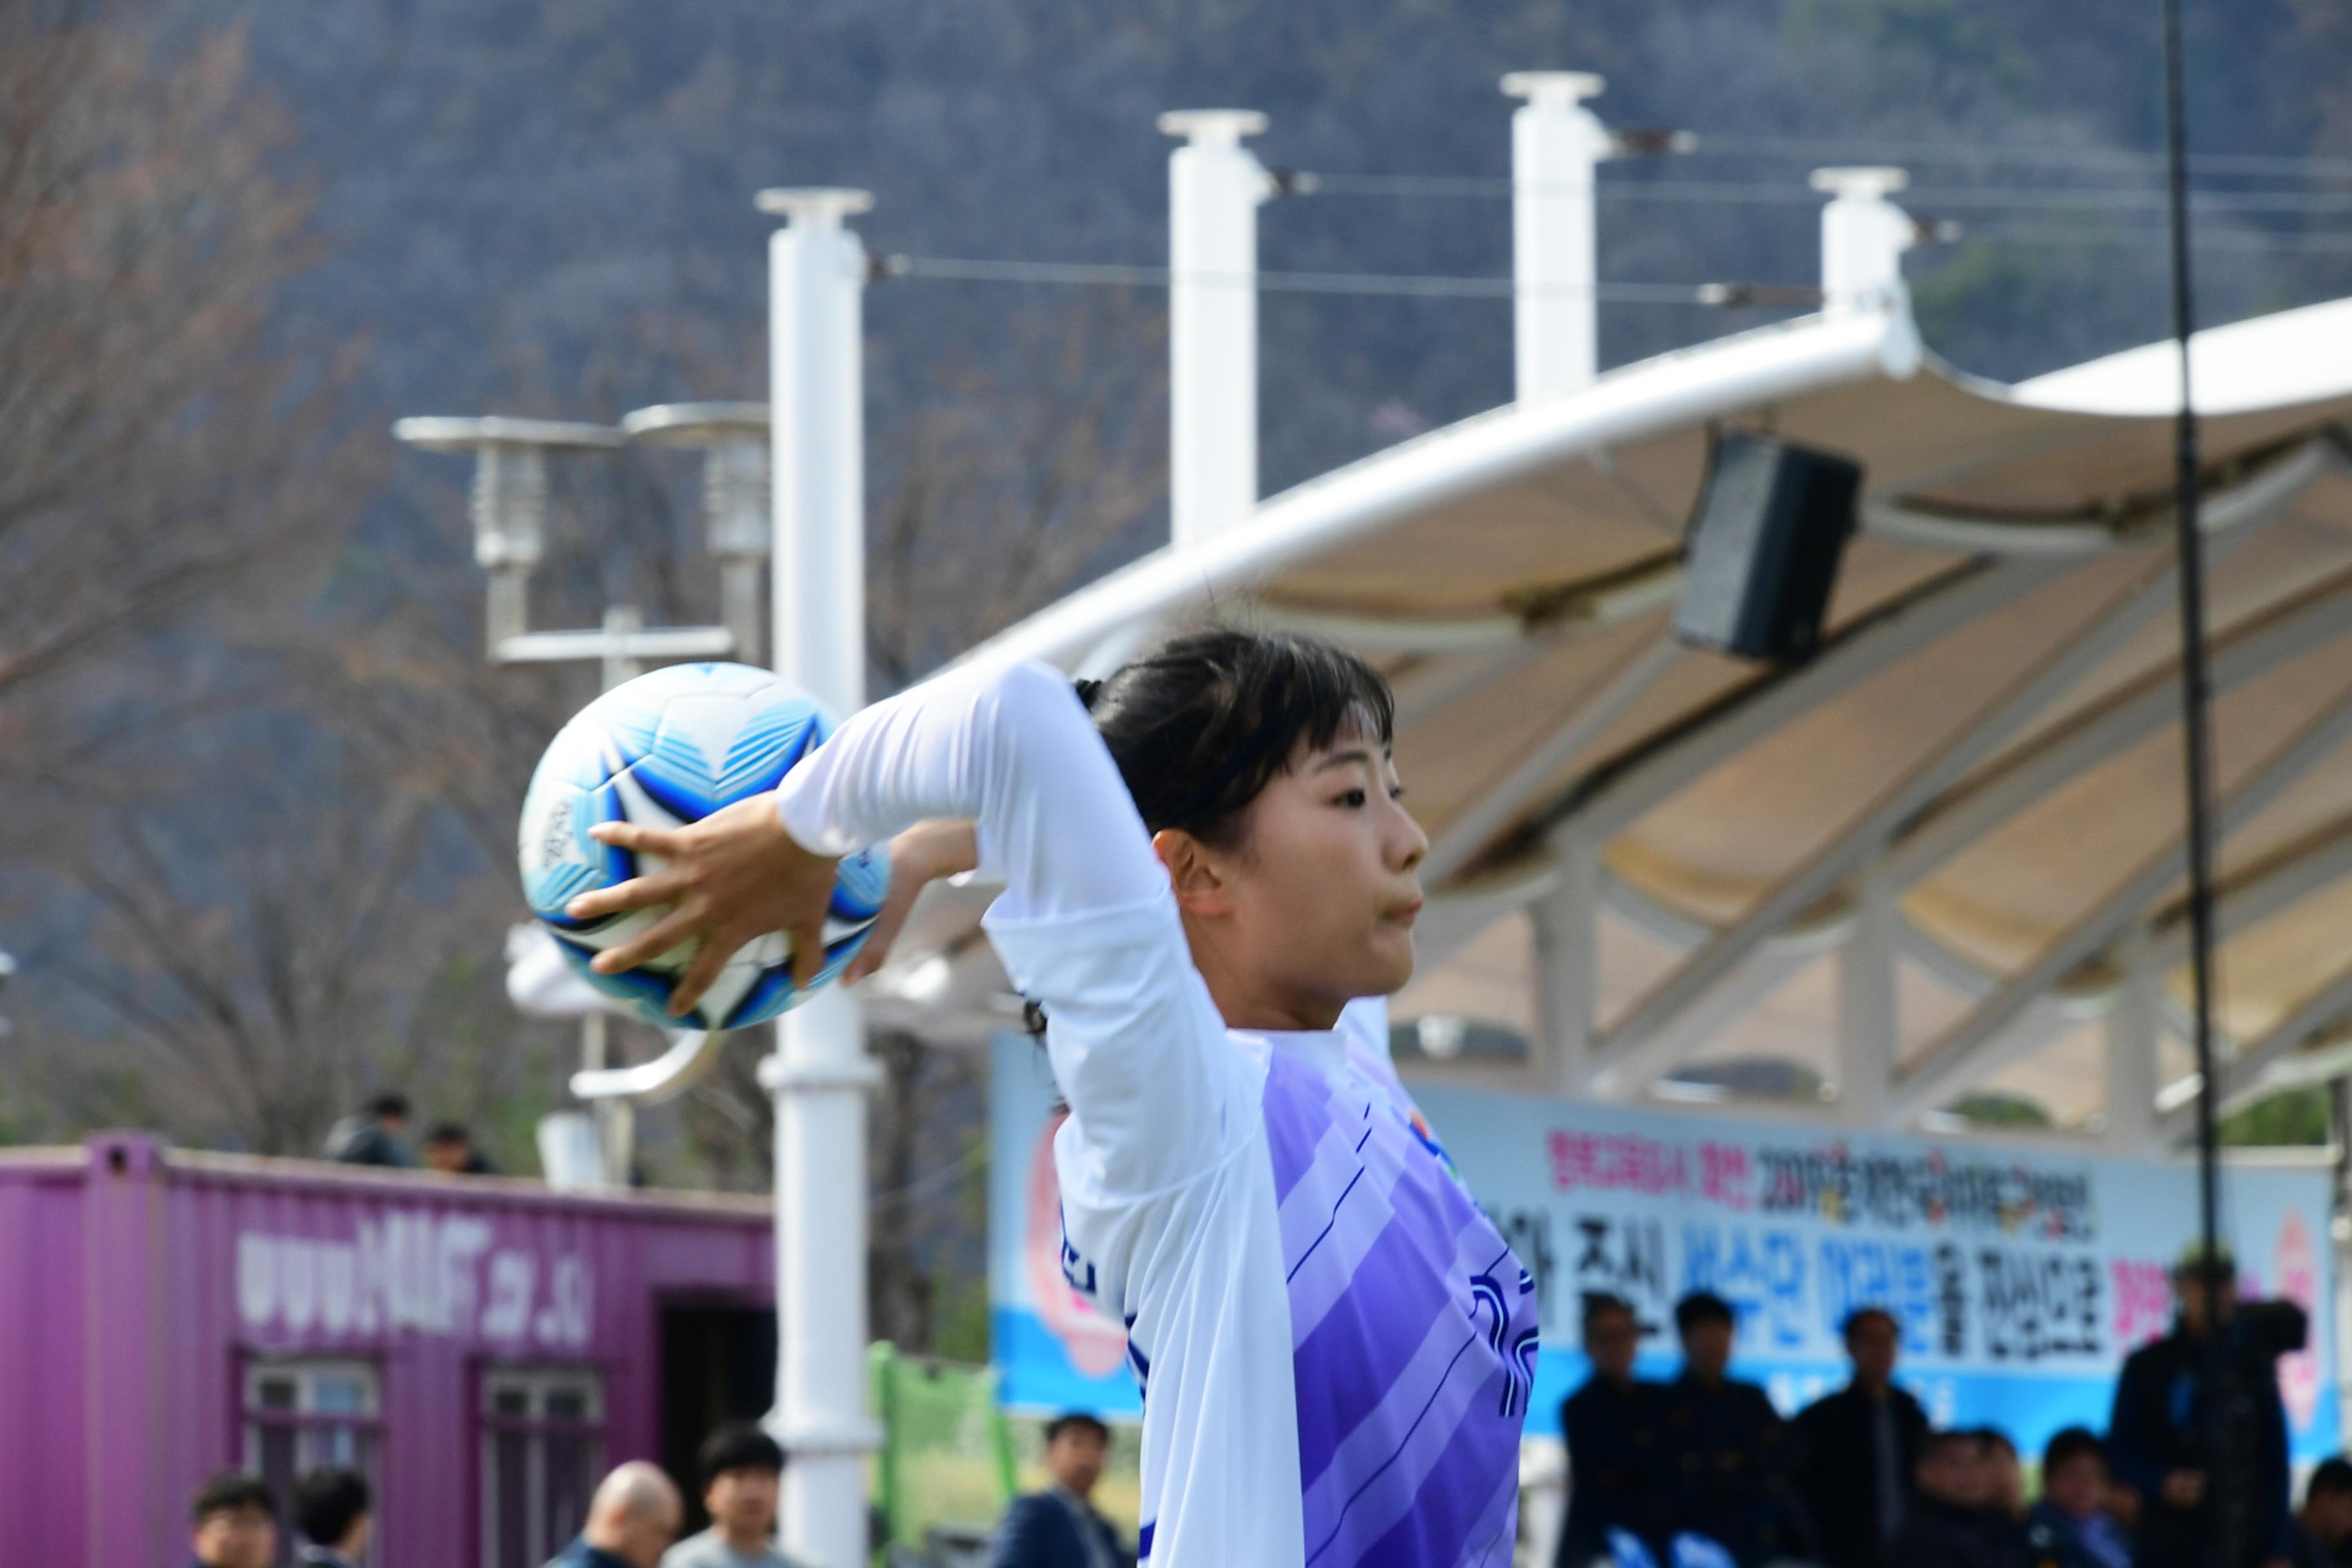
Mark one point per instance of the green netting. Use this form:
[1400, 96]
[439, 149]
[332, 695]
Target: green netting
[947, 1456]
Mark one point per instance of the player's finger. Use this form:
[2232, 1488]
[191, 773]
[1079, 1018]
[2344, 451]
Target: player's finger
[808, 951]
[879, 936]
[643, 838]
[651, 943]
[637, 893]
[701, 975]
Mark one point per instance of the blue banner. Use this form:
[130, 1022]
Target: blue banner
[2022, 1277]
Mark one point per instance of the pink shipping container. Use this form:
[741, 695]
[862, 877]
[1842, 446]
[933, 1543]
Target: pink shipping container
[482, 1348]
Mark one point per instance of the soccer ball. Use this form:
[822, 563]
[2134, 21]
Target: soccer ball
[670, 748]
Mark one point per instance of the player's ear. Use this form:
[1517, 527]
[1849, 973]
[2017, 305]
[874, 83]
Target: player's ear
[1195, 872]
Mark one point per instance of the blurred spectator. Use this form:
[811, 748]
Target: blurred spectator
[1723, 1448]
[2157, 1441]
[632, 1519]
[449, 1149]
[741, 1469]
[1058, 1528]
[1952, 1522]
[234, 1522]
[2004, 1475]
[373, 1136]
[2321, 1535]
[1860, 1446]
[331, 1510]
[1607, 1441]
[2071, 1527]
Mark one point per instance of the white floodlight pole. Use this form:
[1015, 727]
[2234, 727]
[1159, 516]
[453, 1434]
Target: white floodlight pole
[1215, 186]
[1863, 237]
[738, 514]
[1555, 143]
[820, 1073]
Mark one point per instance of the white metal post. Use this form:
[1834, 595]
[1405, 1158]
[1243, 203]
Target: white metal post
[820, 1073]
[1863, 237]
[1555, 142]
[2134, 1029]
[1568, 970]
[1870, 1016]
[1215, 186]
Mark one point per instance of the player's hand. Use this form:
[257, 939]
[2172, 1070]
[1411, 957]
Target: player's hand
[731, 877]
[2184, 1488]
[919, 856]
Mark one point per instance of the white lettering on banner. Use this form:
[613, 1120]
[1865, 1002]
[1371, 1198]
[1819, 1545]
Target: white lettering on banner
[419, 1272]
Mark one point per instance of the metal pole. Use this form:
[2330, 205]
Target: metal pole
[820, 1073]
[2230, 1503]
[1554, 145]
[1214, 184]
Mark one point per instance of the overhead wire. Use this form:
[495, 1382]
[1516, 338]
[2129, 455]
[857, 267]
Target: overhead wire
[1773, 193]
[979, 270]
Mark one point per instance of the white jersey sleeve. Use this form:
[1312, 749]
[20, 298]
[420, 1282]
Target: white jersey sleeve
[1169, 1217]
[1087, 925]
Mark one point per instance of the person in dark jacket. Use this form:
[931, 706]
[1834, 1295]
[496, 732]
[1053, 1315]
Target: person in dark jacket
[1058, 1528]
[2070, 1527]
[1952, 1521]
[2321, 1535]
[373, 1136]
[1724, 1450]
[1859, 1446]
[2157, 1441]
[449, 1149]
[1610, 1442]
[331, 1509]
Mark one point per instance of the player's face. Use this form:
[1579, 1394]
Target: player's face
[1326, 886]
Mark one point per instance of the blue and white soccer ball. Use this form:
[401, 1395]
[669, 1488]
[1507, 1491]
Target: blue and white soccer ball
[669, 748]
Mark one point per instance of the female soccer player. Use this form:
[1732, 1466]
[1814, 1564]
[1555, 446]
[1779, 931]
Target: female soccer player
[1334, 1344]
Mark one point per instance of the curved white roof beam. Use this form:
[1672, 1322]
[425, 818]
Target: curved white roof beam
[1999, 719]
[2243, 1075]
[2242, 652]
[2286, 357]
[1974, 1047]
[1672, 391]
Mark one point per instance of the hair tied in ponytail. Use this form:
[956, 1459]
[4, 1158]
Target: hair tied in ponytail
[1087, 691]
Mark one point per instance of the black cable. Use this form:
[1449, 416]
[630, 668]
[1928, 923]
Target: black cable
[2226, 1499]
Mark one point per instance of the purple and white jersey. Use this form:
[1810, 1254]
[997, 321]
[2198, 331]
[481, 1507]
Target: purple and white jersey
[1334, 1344]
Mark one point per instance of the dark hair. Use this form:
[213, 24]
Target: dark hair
[449, 1132]
[1861, 1315]
[392, 1105]
[2071, 1444]
[327, 1503]
[1702, 1307]
[1199, 726]
[1935, 1444]
[1990, 1438]
[1202, 724]
[1598, 1304]
[1075, 1421]
[737, 1445]
[230, 1490]
[2330, 1475]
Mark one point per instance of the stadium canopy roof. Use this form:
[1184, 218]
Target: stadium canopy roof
[1942, 857]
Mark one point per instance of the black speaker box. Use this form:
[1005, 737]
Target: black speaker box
[1763, 547]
